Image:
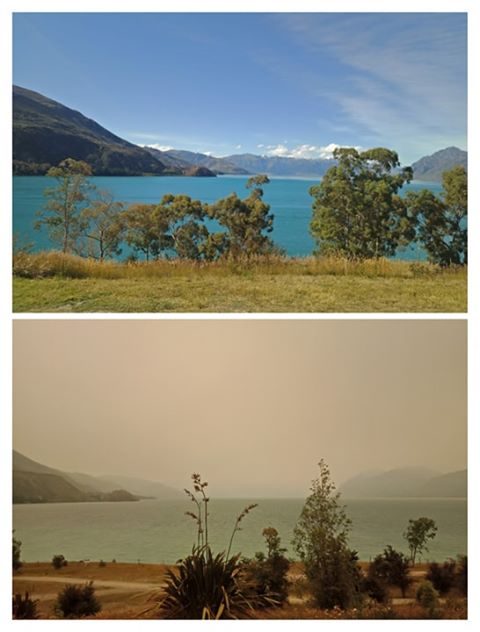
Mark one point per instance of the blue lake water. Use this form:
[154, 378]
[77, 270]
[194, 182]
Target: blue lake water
[159, 531]
[289, 199]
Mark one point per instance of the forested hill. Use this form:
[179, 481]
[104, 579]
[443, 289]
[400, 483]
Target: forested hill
[46, 132]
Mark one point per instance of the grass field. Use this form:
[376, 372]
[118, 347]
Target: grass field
[50, 282]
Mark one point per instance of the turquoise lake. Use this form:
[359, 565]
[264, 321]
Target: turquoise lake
[290, 203]
[158, 531]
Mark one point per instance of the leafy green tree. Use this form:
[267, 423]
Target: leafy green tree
[441, 222]
[417, 534]
[61, 214]
[104, 227]
[321, 542]
[357, 212]
[390, 568]
[187, 234]
[145, 232]
[246, 220]
[16, 553]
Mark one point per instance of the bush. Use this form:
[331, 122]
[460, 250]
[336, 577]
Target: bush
[16, 552]
[442, 576]
[268, 574]
[375, 588]
[102, 563]
[76, 601]
[462, 574]
[427, 597]
[391, 568]
[205, 587]
[24, 607]
[59, 561]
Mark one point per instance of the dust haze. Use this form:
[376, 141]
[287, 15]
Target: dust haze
[250, 404]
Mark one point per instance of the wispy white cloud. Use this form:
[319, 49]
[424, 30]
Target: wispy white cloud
[402, 78]
[300, 151]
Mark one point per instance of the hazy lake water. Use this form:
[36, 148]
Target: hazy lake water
[158, 531]
[289, 199]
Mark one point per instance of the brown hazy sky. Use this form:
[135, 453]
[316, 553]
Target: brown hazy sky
[250, 404]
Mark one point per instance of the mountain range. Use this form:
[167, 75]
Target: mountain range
[34, 482]
[45, 132]
[409, 482]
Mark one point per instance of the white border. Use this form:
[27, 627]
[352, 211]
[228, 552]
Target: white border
[6, 9]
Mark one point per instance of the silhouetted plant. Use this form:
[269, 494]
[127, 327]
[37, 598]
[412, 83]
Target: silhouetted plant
[442, 576]
[321, 542]
[375, 588]
[391, 568]
[268, 573]
[59, 561]
[24, 607]
[75, 601]
[102, 563]
[207, 586]
[16, 552]
[417, 534]
[462, 574]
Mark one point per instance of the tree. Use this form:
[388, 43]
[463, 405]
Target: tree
[16, 553]
[390, 568]
[187, 234]
[418, 532]
[246, 220]
[357, 212]
[61, 214]
[103, 226]
[441, 222]
[320, 540]
[59, 561]
[144, 230]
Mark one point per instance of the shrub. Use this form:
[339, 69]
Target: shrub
[268, 574]
[375, 588]
[102, 563]
[206, 587]
[59, 561]
[76, 601]
[427, 597]
[391, 568]
[442, 576]
[462, 574]
[24, 607]
[16, 553]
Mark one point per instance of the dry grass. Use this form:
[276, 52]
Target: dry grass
[52, 282]
[53, 263]
[134, 601]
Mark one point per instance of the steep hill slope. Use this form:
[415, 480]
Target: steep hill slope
[45, 132]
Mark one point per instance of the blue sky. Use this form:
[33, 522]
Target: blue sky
[279, 84]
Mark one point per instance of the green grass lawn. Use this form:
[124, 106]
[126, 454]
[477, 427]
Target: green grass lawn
[250, 291]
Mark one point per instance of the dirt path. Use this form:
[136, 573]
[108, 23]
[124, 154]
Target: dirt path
[140, 586]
